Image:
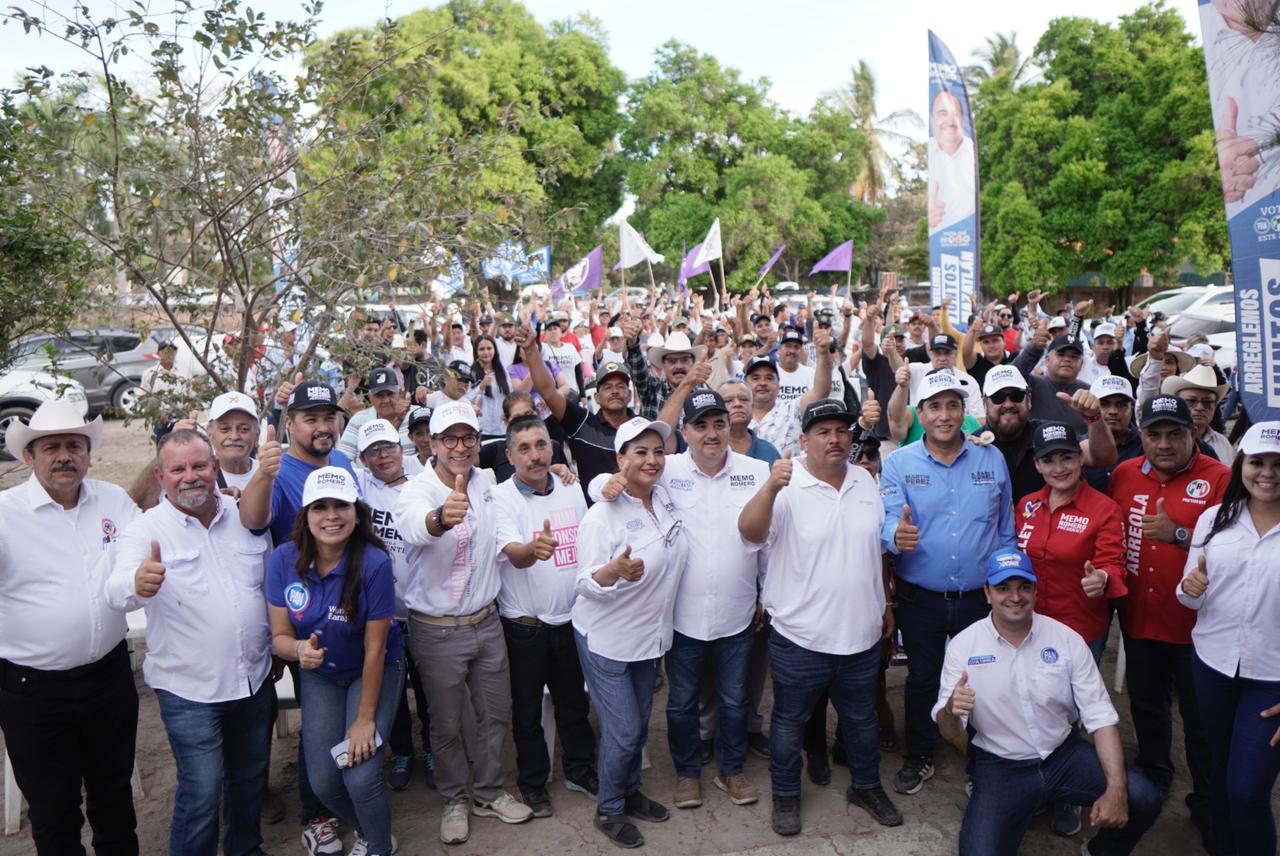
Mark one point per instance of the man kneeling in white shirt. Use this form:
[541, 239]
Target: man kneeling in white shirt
[198, 573]
[1022, 681]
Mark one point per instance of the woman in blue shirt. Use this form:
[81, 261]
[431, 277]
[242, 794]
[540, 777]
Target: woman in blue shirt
[331, 597]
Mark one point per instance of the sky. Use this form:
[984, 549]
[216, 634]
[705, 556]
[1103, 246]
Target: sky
[805, 48]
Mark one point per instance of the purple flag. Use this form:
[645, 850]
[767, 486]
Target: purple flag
[582, 277]
[841, 258]
[768, 266]
[688, 268]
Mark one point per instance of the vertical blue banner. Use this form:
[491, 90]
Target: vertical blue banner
[953, 185]
[1241, 54]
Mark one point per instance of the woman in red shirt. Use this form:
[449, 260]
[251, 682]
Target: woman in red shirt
[1074, 536]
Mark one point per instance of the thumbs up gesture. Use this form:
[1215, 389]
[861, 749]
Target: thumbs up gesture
[870, 411]
[907, 538]
[544, 545]
[1094, 581]
[627, 568]
[1083, 402]
[780, 473]
[457, 505]
[1197, 582]
[962, 698]
[269, 453]
[1237, 156]
[1159, 526]
[310, 654]
[937, 208]
[150, 574]
[286, 389]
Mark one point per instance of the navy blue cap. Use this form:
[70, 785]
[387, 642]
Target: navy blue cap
[756, 362]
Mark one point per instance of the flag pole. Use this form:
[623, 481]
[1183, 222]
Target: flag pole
[651, 282]
[848, 281]
[724, 283]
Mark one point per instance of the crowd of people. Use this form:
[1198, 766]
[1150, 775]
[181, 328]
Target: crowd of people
[586, 500]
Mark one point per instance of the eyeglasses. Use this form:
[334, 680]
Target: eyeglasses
[451, 441]
[678, 359]
[1207, 403]
[377, 450]
[869, 455]
[1017, 396]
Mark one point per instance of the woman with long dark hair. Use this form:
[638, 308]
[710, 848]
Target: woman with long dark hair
[1232, 580]
[331, 598]
[491, 381]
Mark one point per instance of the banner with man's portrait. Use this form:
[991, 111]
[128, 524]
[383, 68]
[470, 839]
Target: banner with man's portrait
[953, 183]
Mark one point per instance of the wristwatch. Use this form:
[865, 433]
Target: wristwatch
[1180, 534]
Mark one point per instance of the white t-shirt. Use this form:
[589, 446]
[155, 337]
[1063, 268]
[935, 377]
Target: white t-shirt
[463, 352]
[381, 499]
[506, 352]
[544, 590]
[793, 385]
[564, 355]
[240, 481]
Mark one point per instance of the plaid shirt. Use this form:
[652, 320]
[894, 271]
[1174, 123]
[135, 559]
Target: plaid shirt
[652, 390]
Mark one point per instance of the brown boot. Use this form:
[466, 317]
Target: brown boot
[688, 793]
[740, 791]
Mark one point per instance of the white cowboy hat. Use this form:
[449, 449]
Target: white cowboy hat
[53, 417]
[1200, 377]
[1185, 361]
[677, 343]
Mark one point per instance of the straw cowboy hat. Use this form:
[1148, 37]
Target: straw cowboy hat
[53, 417]
[677, 343]
[1200, 377]
[1185, 361]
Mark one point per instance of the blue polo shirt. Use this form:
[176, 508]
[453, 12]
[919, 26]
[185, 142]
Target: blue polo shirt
[286, 493]
[314, 607]
[964, 512]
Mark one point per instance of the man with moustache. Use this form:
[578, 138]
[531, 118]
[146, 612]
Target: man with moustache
[1115, 402]
[389, 403]
[197, 572]
[675, 359]
[776, 421]
[233, 431]
[449, 520]
[737, 399]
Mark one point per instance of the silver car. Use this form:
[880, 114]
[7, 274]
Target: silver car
[107, 362]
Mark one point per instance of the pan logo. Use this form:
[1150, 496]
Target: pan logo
[1262, 225]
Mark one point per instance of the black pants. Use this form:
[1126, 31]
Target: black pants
[548, 657]
[68, 729]
[1155, 672]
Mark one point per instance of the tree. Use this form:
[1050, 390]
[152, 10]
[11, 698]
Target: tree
[877, 167]
[999, 55]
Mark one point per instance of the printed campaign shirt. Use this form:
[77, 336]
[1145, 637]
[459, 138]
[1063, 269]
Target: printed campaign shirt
[544, 590]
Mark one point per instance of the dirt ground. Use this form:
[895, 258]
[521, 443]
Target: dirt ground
[830, 826]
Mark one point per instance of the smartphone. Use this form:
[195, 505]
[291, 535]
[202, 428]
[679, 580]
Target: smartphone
[342, 752]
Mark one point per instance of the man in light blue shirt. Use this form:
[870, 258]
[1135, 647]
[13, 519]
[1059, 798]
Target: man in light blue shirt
[948, 506]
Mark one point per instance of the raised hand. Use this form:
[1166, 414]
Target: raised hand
[150, 574]
[1094, 581]
[614, 487]
[907, 538]
[1238, 157]
[871, 411]
[1083, 402]
[286, 389]
[456, 506]
[191, 423]
[1041, 338]
[1197, 582]
[902, 377]
[962, 698]
[544, 544]
[1159, 526]
[310, 654]
[627, 568]
[269, 453]
[780, 472]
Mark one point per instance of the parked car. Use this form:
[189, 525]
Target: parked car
[1206, 321]
[1176, 301]
[22, 390]
[107, 362]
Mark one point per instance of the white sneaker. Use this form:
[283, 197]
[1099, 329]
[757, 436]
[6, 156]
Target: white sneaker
[455, 825]
[361, 847]
[320, 838]
[505, 808]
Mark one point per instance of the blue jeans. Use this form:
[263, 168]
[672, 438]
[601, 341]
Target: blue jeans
[799, 677]
[221, 750]
[1006, 794]
[1244, 766]
[927, 619]
[684, 676]
[356, 793]
[622, 694]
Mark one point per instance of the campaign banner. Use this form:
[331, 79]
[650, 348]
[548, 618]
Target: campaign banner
[953, 184]
[1241, 43]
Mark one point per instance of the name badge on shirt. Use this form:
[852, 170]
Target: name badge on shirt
[979, 477]
[635, 525]
[743, 481]
[681, 484]
[917, 479]
[981, 659]
[109, 531]
[1074, 523]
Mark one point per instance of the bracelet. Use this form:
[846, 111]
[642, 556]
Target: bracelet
[1092, 421]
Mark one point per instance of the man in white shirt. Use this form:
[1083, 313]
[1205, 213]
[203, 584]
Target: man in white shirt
[826, 595]
[1021, 682]
[772, 419]
[1097, 360]
[507, 346]
[449, 520]
[460, 347]
[389, 403]
[68, 707]
[951, 164]
[198, 572]
[560, 353]
[233, 431]
[537, 519]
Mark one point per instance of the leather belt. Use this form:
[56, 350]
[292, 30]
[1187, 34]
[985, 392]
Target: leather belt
[453, 620]
[532, 622]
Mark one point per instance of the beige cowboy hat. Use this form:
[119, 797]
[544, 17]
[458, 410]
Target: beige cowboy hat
[1185, 361]
[53, 417]
[1200, 377]
[677, 343]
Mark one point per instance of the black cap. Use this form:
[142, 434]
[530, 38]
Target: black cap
[990, 330]
[756, 362]
[827, 408]
[485, 319]
[612, 368]
[161, 344]
[790, 334]
[702, 401]
[460, 368]
[1165, 408]
[1066, 341]
[944, 341]
[1049, 437]
[758, 317]
[418, 416]
[311, 394]
[381, 380]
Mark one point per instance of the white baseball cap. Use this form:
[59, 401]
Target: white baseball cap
[636, 426]
[1111, 385]
[1002, 377]
[1200, 351]
[453, 413]
[940, 381]
[1057, 321]
[1105, 329]
[329, 483]
[615, 332]
[1261, 439]
[229, 401]
[377, 431]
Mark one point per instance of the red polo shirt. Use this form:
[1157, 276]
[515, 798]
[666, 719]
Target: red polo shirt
[1086, 528]
[1154, 568]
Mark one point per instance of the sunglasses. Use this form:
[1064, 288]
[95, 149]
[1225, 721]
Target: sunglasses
[1017, 396]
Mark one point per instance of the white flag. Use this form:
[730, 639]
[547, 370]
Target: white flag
[710, 246]
[632, 249]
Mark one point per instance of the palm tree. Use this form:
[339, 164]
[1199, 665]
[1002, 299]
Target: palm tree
[1000, 55]
[878, 168]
